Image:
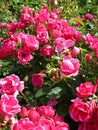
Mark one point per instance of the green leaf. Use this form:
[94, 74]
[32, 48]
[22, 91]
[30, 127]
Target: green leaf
[62, 109]
[78, 20]
[39, 93]
[54, 93]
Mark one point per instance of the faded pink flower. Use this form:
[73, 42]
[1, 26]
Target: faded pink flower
[70, 66]
[37, 80]
[61, 44]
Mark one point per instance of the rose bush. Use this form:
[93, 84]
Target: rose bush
[49, 71]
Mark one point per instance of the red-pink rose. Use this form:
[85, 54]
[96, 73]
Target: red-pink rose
[11, 85]
[70, 66]
[47, 50]
[23, 124]
[88, 126]
[85, 90]
[62, 126]
[46, 111]
[89, 16]
[24, 55]
[30, 42]
[37, 80]
[81, 111]
[88, 57]
[9, 106]
[33, 115]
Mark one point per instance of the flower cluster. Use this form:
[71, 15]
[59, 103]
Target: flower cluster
[10, 87]
[40, 118]
[50, 36]
[84, 107]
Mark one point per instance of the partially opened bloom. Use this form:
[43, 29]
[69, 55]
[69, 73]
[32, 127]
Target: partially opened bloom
[70, 66]
[37, 80]
[85, 90]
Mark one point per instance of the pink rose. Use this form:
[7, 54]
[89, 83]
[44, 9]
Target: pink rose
[24, 55]
[11, 85]
[81, 111]
[23, 112]
[33, 115]
[85, 90]
[47, 50]
[45, 124]
[43, 14]
[89, 16]
[88, 57]
[9, 106]
[46, 111]
[30, 42]
[42, 34]
[88, 126]
[6, 48]
[69, 66]
[37, 80]
[62, 126]
[61, 44]
[23, 124]
[75, 51]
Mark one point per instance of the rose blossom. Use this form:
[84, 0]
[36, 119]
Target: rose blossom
[88, 126]
[9, 106]
[37, 80]
[62, 126]
[81, 111]
[24, 55]
[88, 57]
[69, 66]
[11, 85]
[23, 124]
[47, 50]
[23, 112]
[75, 51]
[33, 115]
[42, 34]
[89, 16]
[30, 42]
[85, 90]
[61, 44]
[46, 111]
[45, 124]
